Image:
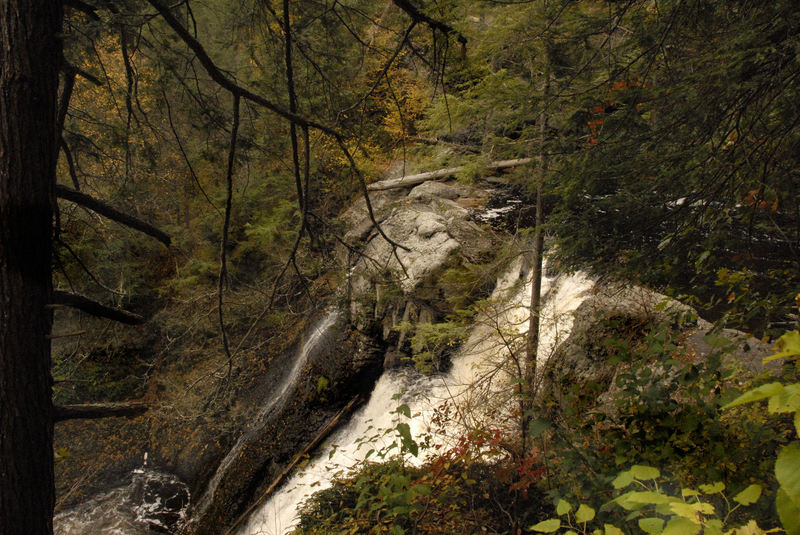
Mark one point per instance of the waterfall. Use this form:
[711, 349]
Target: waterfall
[314, 339]
[157, 500]
[478, 370]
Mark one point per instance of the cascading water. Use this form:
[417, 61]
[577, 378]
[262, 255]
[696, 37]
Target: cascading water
[477, 370]
[156, 501]
[153, 502]
[315, 337]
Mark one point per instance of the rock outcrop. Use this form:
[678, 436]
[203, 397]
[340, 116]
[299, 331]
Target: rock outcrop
[628, 313]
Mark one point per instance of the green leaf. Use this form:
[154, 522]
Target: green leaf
[713, 527]
[404, 410]
[547, 526]
[681, 526]
[408, 443]
[651, 525]
[689, 492]
[714, 488]
[636, 500]
[702, 258]
[623, 479]
[789, 512]
[787, 470]
[584, 514]
[690, 510]
[756, 394]
[797, 423]
[612, 530]
[788, 346]
[786, 401]
[644, 473]
[749, 495]
[563, 507]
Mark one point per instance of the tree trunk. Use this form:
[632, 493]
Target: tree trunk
[536, 268]
[30, 54]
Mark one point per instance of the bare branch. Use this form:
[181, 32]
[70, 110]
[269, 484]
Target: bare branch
[227, 83]
[70, 165]
[223, 248]
[98, 410]
[96, 309]
[83, 7]
[434, 24]
[103, 209]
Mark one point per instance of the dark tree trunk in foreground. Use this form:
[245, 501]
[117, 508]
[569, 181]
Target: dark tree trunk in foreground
[30, 53]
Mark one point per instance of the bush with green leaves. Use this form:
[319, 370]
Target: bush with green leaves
[783, 399]
[653, 509]
[661, 407]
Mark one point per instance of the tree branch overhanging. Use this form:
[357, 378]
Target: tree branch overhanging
[98, 410]
[103, 209]
[227, 83]
[96, 309]
[434, 24]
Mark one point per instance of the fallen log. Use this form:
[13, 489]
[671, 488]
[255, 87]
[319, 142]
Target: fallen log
[311, 446]
[98, 410]
[413, 180]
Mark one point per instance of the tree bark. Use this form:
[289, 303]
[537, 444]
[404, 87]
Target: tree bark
[537, 257]
[30, 53]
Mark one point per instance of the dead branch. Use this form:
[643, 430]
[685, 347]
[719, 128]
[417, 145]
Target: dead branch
[83, 7]
[224, 81]
[98, 410]
[434, 24]
[103, 209]
[96, 309]
[73, 175]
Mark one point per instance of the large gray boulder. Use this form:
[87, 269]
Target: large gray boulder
[628, 312]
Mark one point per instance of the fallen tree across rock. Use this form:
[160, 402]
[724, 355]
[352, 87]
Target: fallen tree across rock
[311, 446]
[413, 180]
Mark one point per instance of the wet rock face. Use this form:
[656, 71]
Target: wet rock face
[434, 228]
[343, 363]
[163, 502]
[627, 312]
[153, 502]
